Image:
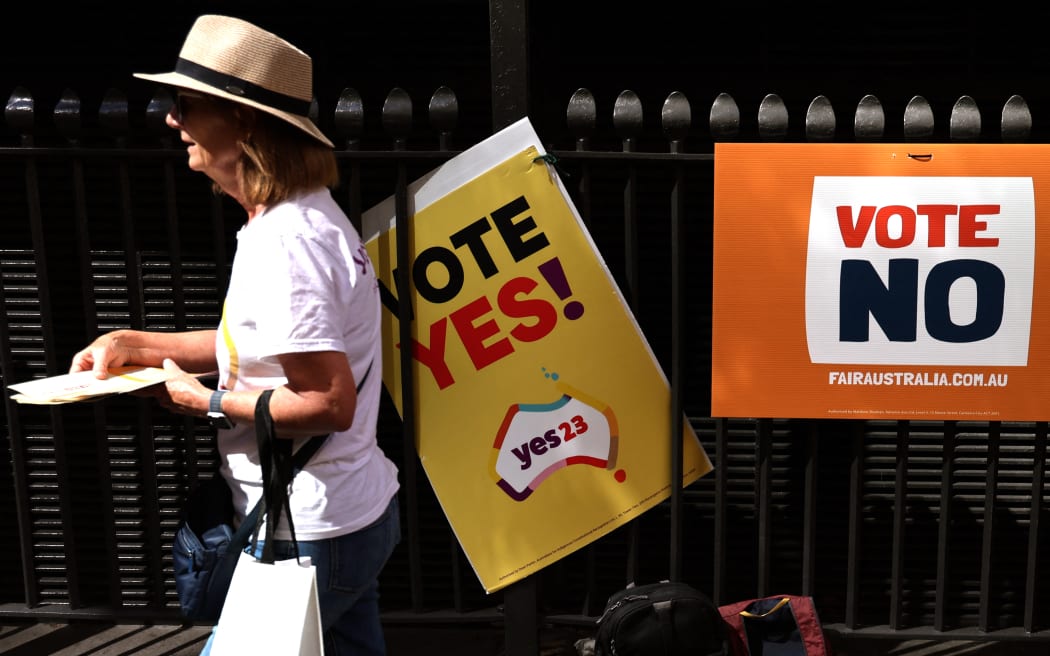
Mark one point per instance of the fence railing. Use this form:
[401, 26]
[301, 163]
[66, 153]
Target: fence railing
[928, 529]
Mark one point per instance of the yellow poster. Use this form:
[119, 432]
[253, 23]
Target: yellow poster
[543, 418]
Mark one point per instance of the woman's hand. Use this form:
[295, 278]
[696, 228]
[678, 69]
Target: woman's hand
[102, 354]
[195, 350]
[182, 393]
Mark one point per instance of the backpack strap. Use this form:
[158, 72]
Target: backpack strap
[665, 616]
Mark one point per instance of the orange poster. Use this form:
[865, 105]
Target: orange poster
[881, 281]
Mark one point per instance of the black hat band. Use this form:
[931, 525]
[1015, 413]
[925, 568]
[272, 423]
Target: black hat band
[242, 88]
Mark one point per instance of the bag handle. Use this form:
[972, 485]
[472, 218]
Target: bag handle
[248, 531]
[275, 458]
[279, 467]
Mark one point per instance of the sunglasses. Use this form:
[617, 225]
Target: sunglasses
[183, 100]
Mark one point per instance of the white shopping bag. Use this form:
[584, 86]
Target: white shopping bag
[270, 609]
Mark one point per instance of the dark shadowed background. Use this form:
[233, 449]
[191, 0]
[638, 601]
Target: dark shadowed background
[894, 51]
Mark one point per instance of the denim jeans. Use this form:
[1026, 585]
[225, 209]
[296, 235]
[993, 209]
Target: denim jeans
[348, 568]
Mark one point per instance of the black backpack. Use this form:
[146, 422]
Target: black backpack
[660, 619]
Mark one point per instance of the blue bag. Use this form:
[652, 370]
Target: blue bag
[206, 549]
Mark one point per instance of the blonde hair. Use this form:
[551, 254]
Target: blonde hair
[279, 161]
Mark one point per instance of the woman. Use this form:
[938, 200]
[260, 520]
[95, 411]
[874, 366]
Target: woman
[301, 316]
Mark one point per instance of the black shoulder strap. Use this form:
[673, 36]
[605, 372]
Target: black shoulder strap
[307, 450]
[279, 467]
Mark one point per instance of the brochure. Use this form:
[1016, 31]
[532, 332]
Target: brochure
[84, 386]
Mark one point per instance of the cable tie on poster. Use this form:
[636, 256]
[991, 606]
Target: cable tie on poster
[553, 161]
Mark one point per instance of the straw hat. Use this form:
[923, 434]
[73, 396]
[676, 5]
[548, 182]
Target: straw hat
[233, 59]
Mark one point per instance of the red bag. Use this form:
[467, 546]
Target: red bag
[779, 625]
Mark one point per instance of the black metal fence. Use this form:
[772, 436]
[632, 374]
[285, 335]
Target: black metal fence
[894, 527]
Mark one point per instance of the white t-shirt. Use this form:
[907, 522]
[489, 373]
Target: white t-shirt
[302, 282]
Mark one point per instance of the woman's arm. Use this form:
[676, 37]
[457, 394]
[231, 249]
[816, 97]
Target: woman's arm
[319, 397]
[193, 351]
